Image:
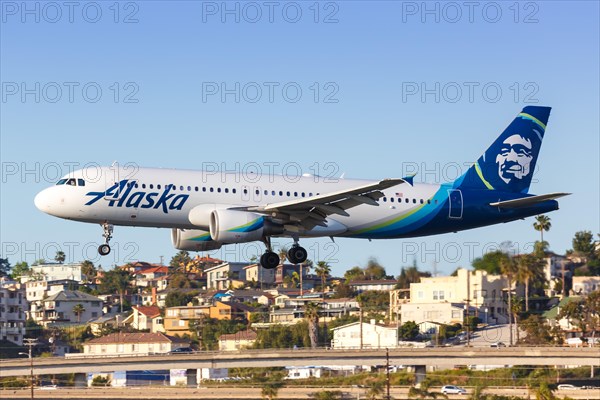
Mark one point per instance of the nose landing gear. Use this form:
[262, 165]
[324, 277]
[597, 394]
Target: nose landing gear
[104, 249]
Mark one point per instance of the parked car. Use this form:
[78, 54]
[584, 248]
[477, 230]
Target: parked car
[566, 386]
[180, 350]
[498, 344]
[451, 389]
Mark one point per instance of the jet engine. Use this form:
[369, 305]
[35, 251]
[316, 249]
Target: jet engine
[233, 226]
[193, 240]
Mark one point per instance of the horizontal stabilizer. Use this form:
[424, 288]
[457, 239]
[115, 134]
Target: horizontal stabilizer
[528, 201]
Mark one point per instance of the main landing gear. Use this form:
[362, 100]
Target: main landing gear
[104, 249]
[270, 260]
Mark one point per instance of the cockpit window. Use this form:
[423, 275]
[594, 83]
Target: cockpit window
[71, 182]
[61, 182]
[80, 182]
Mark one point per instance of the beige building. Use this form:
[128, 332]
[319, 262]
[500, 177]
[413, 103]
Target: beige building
[256, 273]
[373, 336]
[13, 307]
[146, 318]
[438, 299]
[226, 276]
[117, 344]
[177, 319]
[584, 285]
[237, 341]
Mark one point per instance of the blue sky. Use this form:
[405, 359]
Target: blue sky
[386, 88]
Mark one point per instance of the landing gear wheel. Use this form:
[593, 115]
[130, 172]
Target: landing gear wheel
[104, 249]
[269, 260]
[297, 255]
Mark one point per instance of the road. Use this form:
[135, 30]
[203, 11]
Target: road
[439, 357]
[151, 393]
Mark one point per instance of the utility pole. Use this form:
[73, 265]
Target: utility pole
[387, 371]
[30, 343]
[361, 328]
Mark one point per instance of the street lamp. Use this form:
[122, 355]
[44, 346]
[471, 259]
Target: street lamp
[467, 323]
[30, 343]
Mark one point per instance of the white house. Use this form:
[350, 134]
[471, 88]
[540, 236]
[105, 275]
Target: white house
[224, 275]
[59, 308]
[146, 318]
[373, 336]
[55, 272]
[13, 307]
[123, 343]
[381, 285]
[256, 273]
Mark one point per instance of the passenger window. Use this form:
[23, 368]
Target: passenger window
[190, 189]
[407, 200]
[196, 189]
[233, 190]
[257, 192]
[212, 190]
[310, 195]
[288, 194]
[136, 185]
[280, 193]
[143, 186]
[428, 201]
[295, 194]
[414, 201]
[158, 187]
[392, 199]
[151, 186]
[204, 188]
[80, 182]
[421, 201]
[181, 188]
[266, 192]
[272, 193]
[218, 190]
[385, 199]
[61, 182]
[303, 194]
[226, 190]
[245, 191]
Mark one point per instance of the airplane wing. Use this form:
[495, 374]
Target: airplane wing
[312, 211]
[527, 201]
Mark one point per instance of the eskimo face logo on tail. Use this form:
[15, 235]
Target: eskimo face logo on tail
[514, 158]
[122, 195]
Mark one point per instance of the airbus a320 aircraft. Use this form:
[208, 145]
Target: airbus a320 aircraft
[208, 210]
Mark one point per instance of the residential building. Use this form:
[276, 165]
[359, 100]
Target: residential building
[237, 341]
[365, 285]
[146, 318]
[151, 277]
[122, 343]
[563, 323]
[13, 307]
[55, 272]
[438, 299]
[226, 275]
[231, 310]
[260, 275]
[556, 269]
[60, 308]
[177, 320]
[584, 285]
[373, 336]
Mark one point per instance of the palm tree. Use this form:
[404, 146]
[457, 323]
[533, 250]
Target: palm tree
[311, 314]
[323, 270]
[528, 267]
[542, 224]
[282, 255]
[508, 267]
[60, 257]
[375, 391]
[78, 309]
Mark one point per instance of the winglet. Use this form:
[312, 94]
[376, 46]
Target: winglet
[409, 179]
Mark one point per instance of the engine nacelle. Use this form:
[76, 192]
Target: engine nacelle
[193, 240]
[232, 226]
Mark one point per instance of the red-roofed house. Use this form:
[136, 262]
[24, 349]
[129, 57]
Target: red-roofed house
[146, 318]
[237, 341]
[145, 277]
[123, 343]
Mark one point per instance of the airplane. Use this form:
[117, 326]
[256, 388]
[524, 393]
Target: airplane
[208, 210]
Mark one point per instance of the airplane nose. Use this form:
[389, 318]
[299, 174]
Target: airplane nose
[41, 201]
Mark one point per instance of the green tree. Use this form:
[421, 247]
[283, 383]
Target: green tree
[374, 270]
[116, 281]
[20, 269]
[529, 267]
[542, 223]
[60, 257]
[343, 290]
[4, 266]
[375, 391]
[78, 309]
[88, 269]
[270, 389]
[374, 301]
[537, 331]
[490, 262]
[179, 281]
[177, 298]
[354, 273]
[583, 244]
[408, 331]
[410, 275]
[508, 267]
[423, 392]
[311, 315]
[323, 269]
[181, 260]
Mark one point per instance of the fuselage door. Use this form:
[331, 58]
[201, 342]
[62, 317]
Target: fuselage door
[455, 204]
